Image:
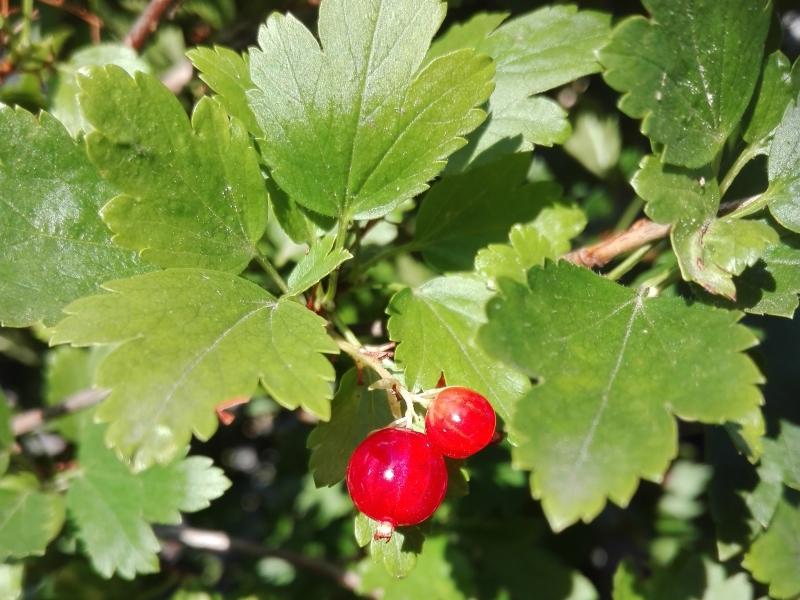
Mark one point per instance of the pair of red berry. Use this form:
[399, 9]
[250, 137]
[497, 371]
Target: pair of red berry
[397, 476]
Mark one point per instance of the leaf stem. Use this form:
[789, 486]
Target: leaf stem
[384, 254]
[333, 280]
[747, 207]
[745, 157]
[27, 15]
[629, 214]
[631, 261]
[270, 270]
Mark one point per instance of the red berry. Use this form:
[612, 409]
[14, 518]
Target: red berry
[460, 422]
[397, 477]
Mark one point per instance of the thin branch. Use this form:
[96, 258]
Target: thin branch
[30, 420]
[220, 542]
[643, 231]
[270, 270]
[147, 23]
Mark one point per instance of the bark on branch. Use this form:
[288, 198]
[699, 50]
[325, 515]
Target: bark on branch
[601, 253]
[147, 23]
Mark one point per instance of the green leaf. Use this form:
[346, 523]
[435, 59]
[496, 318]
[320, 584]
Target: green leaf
[354, 128]
[435, 326]
[772, 559]
[105, 505]
[625, 585]
[596, 142]
[64, 100]
[321, 260]
[463, 213]
[175, 332]
[6, 434]
[192, 193]
[227, 73]
[355, 412]
[112, 508]
[688, 71]
[469, 34]
[783, 169]
[29, 519]
[187, 485]
[11, 576]
[534, 53]
[547, 237]
[68, 371]
[696, 577]
[771, 286]
[775, 91]
[614, 366]
[398, 555]
[438, 574]
[710, 251]
[55, 247]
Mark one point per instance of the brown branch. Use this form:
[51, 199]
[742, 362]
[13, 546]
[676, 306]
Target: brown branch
[33, 419]
[640, 233]
[220, 542]
[147, 23]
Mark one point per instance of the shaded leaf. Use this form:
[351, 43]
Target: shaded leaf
[112, 508]
[783, 170]
[772, 559]
[463, 213]
[438, 574]
[355, 412]
[29, 518]
[397, 556]
[775, 91]
[710, 251]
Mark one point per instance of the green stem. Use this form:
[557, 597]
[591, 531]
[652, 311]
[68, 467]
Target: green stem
[386, 253]
[272, 272]
[745, 157]
[627, 264]
[333, 280]
[749, 207]
[345, 330]
[629, 214]
[660, 280]
[27, 14]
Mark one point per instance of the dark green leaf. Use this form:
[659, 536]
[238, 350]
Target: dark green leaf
[463, 213]
[55, 247]
[29, 518]
[355, 412]
[688, 71]
[783, 169]
[193, 194]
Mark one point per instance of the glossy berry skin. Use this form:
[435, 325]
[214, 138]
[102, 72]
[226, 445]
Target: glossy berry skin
[397, 477]
[460, 422]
